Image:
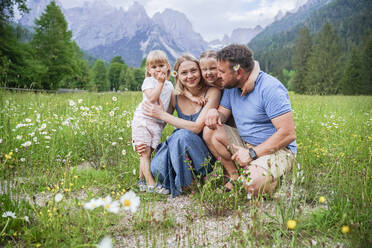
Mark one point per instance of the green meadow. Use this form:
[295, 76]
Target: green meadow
[60, 151]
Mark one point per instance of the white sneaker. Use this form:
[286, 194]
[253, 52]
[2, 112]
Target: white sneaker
[161, 190]
[141, 184]
[150, 188]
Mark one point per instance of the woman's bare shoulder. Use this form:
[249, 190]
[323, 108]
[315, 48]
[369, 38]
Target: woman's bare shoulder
[213, 91]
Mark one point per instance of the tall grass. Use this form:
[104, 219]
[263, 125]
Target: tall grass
[80, 145]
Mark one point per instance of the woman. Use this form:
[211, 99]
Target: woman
[184, 153]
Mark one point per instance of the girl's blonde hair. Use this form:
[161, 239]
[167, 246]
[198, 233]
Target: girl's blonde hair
[208, 54]
[156, 57]
[179, 89]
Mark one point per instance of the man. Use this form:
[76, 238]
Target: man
[264, 141]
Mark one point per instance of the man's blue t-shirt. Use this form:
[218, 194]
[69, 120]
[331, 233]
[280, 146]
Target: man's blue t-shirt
[253, 112]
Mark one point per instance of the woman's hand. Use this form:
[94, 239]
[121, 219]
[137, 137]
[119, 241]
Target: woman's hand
[153, 110]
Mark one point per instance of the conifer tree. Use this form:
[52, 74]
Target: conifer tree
[324, 65]
[12, 53]
[127, 80]
[7, 8]
[53, 46]
[301, 54]
[352, 78]
[117, 59]
[99, 77]
[366, 62]
[114, 72]
[139, 76]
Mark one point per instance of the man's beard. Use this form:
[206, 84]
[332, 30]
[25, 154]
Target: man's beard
[232, 84]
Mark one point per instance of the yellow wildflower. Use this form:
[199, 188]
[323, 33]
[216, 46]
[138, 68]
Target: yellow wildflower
[345, 229]
[291, 224]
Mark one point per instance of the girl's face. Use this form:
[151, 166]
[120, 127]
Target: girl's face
[209, 71]
[158, 67]
[189, 74]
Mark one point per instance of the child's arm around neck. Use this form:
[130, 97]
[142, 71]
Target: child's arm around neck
[199, 100]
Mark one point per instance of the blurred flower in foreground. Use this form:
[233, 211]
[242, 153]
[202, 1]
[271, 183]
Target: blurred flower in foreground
[291, 224]
[94, 203]
[106, 242]
[111, 206]
[345, 229]
[130, 201]
[9, 214]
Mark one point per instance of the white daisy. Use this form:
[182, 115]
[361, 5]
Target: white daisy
[58, 197]
[123, 152]
[9, 214]
[19, 137]
[94, 203]
[106, 242]
[114, 98]
[112, 113]
[111, 206]
[130, 201]
[26, 144]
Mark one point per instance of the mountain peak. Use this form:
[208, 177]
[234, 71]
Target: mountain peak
[98, 4]
[136, 7]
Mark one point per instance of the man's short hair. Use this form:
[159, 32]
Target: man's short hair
[237, 54]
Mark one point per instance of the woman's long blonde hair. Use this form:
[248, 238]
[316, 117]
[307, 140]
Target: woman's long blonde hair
[156, 57]
[186, 57]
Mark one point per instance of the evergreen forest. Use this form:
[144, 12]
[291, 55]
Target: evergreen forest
[328, 52]
[47, 57]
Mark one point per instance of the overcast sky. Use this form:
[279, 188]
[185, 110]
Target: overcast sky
[212, 18]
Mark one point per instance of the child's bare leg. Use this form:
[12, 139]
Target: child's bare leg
[141, 149]
[145, 166]
[141, 176]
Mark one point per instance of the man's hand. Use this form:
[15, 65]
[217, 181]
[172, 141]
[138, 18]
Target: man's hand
[213, 119]
[241, 156]
[153, 110]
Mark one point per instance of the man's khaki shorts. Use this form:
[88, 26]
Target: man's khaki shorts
[277, 164]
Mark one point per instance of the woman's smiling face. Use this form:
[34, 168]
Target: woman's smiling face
[189, 74]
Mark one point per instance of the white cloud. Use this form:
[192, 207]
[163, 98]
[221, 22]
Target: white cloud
[212, 18]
